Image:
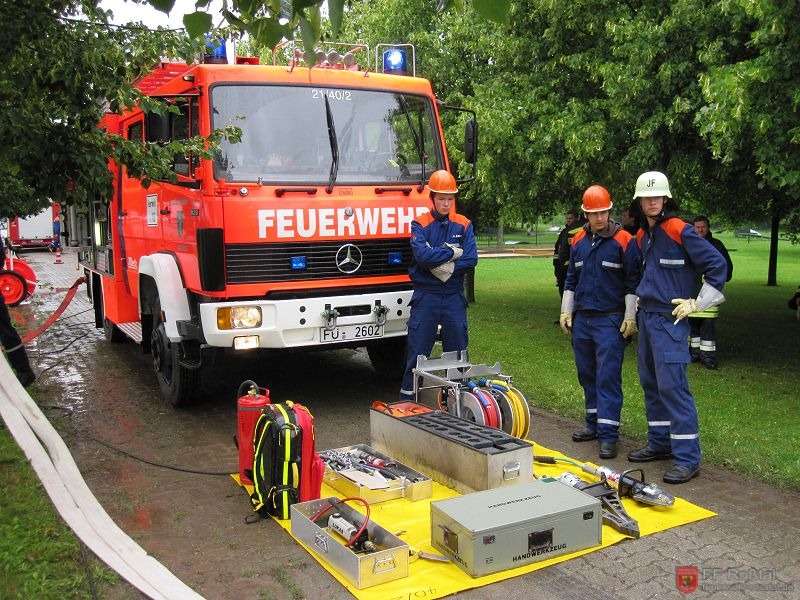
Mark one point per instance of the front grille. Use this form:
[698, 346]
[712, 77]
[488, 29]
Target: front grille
[259, 263]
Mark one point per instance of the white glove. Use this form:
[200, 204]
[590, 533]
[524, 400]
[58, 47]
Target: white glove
[565, 320]
[457, 251]
[709, 296]
[628, 327]
[684, 308]
[567, 307]
[444, 271]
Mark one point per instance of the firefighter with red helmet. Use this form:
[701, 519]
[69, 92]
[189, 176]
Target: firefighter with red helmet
[672, 253]
[443, 249]
[599, 310]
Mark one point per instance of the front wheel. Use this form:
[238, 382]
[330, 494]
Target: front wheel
[388, 357]
[178, 384]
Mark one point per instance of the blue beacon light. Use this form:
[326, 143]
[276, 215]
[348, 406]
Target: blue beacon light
[215, 53]
[394, 62]
[395, 258]
[298, 263]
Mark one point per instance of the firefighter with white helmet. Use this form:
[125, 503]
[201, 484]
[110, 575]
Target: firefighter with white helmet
[671, 253]
[599, 310]
[443, 248]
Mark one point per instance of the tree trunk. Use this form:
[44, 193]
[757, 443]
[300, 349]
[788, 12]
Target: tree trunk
[500, 241]
[772, 269]
[469, 285]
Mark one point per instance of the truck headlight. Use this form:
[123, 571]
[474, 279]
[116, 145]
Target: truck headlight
[239, 317]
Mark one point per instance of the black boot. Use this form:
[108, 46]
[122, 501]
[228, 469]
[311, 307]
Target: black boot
[584, 435]
[26, 377]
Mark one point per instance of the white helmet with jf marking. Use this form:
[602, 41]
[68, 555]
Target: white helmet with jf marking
[650, 184]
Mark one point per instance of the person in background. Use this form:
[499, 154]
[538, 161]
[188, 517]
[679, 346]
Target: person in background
[12, 344]
[702, 325]
[443, 249]
[56, 243]
[599, 309]
[671, 253]
[574, 223]
[629, 223]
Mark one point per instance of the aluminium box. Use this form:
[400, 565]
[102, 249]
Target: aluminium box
[510, 527]
[388, 563]
[462, 455]
[411, 485]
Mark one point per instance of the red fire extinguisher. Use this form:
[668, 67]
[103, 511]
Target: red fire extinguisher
[251, 400]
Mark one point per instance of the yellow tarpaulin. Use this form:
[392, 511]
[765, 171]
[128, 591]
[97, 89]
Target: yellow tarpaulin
[432, 579]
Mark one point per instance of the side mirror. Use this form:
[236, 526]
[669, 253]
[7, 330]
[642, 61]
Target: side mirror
[158, 127]
[471, 141]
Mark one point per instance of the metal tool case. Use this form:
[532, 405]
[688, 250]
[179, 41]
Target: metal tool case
[509, 527]
[388, 563]
[461, 455]
[411, 485]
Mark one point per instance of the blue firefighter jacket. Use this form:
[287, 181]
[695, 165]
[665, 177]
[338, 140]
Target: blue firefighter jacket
[671, 253]
[602, 269]
[429, 235]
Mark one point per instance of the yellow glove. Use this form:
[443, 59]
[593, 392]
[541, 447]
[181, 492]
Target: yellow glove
[684, 308]
[628, 327]
[565, 320]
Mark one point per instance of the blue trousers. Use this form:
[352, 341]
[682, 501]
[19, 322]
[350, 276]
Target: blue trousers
[599, 350]
[669, 405]
[428, 311]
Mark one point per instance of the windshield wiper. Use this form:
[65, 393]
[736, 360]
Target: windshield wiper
[334, 146]
[417, 142]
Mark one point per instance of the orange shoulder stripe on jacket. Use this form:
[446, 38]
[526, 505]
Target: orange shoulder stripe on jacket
[425, 219]
[673, 228]
[578, 237]
[623, 238]
[460, 219]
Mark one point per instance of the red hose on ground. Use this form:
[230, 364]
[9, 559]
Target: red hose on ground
[59, 311]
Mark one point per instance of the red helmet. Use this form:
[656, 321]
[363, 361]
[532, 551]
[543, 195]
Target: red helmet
[596, 199]
[442, 182]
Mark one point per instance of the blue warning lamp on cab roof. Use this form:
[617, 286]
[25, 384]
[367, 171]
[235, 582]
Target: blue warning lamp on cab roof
[394, 62]
[215, 53]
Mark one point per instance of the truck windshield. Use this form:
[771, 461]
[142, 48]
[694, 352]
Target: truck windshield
[285, 137]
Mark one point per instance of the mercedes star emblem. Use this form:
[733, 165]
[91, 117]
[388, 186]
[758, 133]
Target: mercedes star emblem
[349, 258]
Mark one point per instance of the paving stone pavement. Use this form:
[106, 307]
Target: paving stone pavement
[750, 550]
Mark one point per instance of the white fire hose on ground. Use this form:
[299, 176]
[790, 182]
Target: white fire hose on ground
[53, 463]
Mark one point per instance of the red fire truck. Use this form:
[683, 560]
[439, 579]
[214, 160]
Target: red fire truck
[295, 237]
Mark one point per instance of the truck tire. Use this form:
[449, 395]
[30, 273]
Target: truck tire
[388, 357]
[178, 384]
[113, 333]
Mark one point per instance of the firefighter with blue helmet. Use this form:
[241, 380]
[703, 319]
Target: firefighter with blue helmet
[443, 249]
[599, 309]
[672, 253]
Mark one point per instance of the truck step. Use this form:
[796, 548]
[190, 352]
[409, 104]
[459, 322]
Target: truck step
[133, 330]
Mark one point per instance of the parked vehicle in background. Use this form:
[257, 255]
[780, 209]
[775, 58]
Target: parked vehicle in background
[748, 233]
[35, 231]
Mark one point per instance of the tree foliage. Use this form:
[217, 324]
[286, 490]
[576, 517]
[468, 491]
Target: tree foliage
[567, 93]
[62, 73]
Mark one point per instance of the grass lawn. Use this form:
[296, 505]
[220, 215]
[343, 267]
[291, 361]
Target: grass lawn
[40, 557]
[748, 408]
